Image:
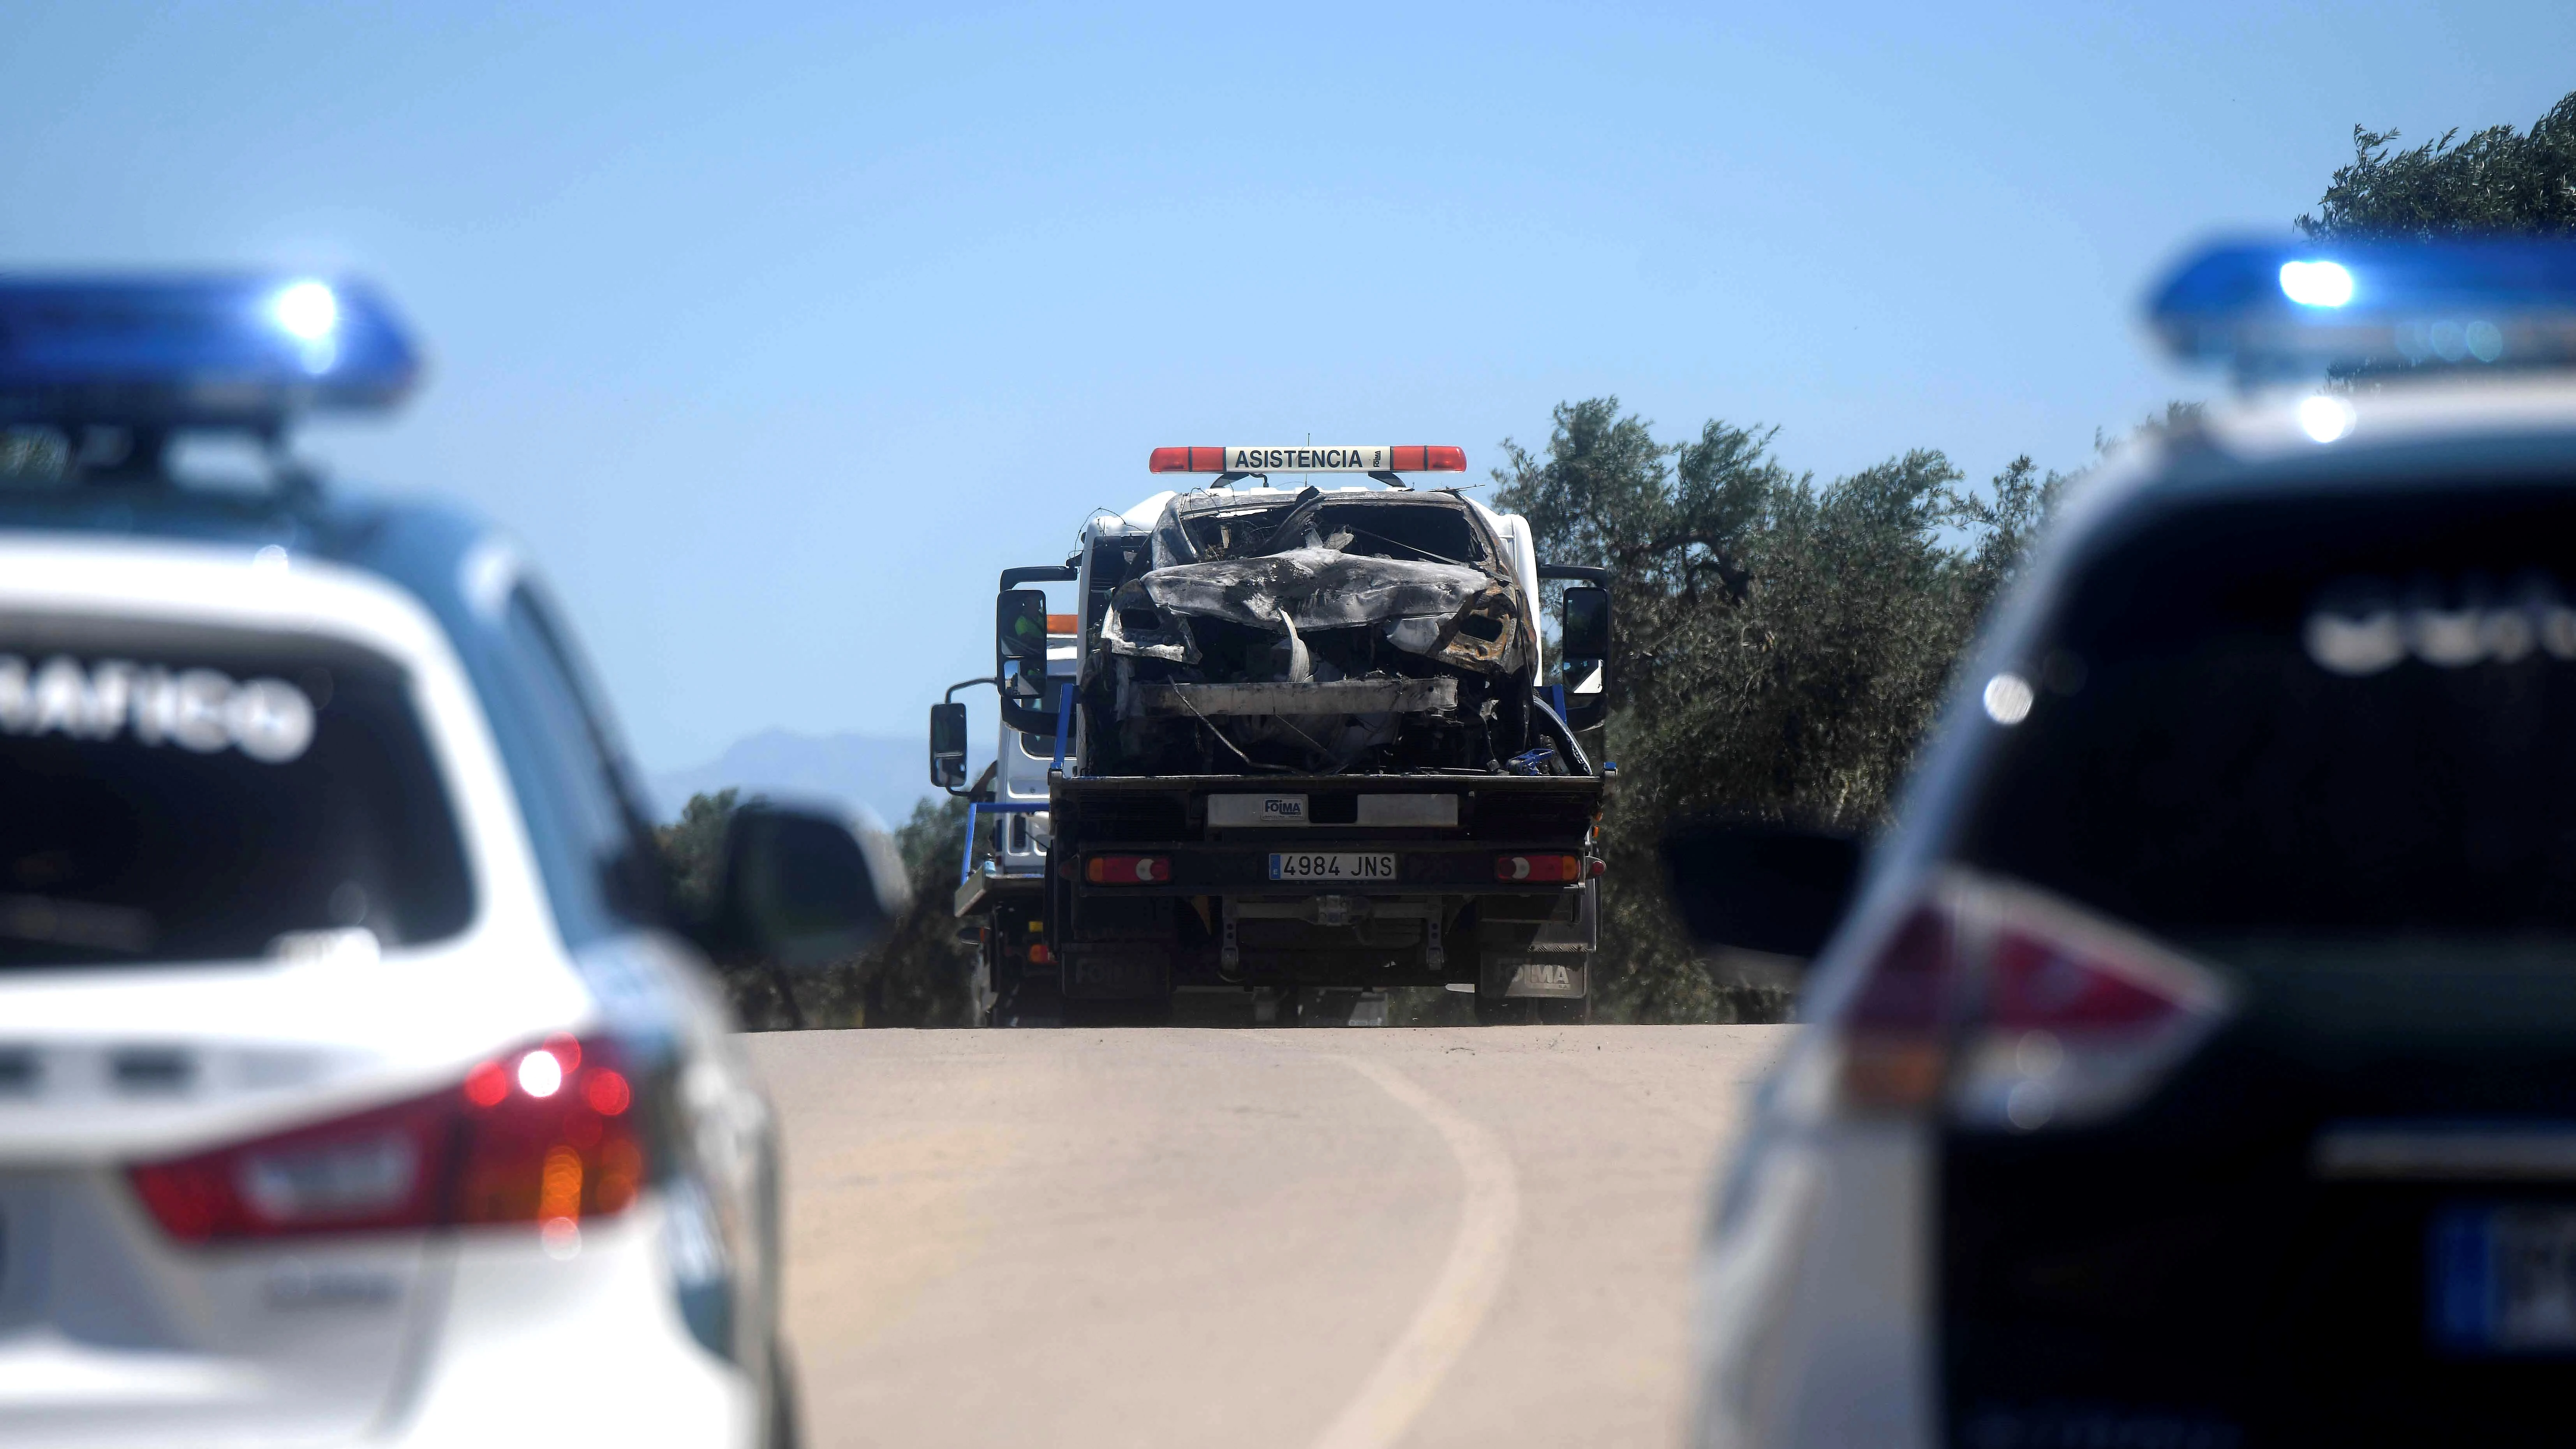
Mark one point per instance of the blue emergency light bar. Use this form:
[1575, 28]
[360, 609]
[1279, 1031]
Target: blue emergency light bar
[207, 352]
[2276, 307]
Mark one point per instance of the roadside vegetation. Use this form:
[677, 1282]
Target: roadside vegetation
[1782, 645]
[920, 976]
[1783, 642]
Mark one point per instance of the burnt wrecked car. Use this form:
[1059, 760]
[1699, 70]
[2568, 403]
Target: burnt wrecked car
[1299, 745]
[1323, 633]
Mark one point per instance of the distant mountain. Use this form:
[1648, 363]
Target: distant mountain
[886, 775]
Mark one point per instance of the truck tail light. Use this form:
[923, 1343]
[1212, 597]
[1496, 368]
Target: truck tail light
[2021, 1010]
[547, 1135]
[1538, 868]
[1128, 870]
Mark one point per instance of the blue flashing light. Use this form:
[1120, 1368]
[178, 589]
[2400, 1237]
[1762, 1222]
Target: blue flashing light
[2316, 284]
[2276, 307]
[213, 352]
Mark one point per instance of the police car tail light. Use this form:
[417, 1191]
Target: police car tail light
[382, 1168]
[1892, 1030]
[1128, 870]
[546, 1136]
[2077, 1018]
[2019, 1009]
[551, 1138]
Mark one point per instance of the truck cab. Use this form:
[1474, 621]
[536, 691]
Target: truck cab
[1312, 745]
[1001, 880]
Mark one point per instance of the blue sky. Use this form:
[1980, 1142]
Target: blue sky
[778, 330]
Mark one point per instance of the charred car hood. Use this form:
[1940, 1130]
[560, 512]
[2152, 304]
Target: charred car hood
[1317, 588]
[1459, 615]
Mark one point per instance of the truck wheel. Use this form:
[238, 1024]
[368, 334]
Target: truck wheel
[981, 995]
[1533, 1011]
[1032, 1001]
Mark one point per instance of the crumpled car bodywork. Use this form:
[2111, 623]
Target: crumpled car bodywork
[1334, 632]
[1451, 613]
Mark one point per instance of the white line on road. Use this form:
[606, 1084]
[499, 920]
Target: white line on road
[1455, 1308]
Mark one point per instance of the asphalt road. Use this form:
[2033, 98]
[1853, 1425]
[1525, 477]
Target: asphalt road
[1344, 1239]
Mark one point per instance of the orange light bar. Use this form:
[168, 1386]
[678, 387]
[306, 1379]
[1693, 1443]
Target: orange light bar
[1425, 458]
[1188, 460]
[1312, 458]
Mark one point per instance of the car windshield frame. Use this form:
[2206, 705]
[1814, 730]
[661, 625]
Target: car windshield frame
[1181, 536]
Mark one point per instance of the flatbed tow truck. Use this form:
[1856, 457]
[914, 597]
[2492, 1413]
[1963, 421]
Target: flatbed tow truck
[1294, 746]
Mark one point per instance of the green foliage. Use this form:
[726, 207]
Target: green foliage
[922, 975]
[2495, 181]
[693, 852]
[1782, 645]
[918, 976]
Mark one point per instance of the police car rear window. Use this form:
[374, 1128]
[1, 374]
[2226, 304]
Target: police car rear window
[2326, 716]
[202, 797]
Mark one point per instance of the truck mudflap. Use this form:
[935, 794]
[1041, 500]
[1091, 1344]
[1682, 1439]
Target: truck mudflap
[1560, 977]
[1583, 933]
[1116, 971]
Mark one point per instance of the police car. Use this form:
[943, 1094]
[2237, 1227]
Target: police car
[2195, 1063]
[356, 1082]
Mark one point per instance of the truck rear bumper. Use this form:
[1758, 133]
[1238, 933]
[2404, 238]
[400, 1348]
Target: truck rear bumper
[1150, 940]
[1342, 881]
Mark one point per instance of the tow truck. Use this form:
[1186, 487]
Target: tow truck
[1297, 746]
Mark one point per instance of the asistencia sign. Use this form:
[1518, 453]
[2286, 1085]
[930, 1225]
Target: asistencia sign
[1307, 458]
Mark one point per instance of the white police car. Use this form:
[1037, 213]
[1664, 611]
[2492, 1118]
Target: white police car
[355, 1083]
[2196, 1063]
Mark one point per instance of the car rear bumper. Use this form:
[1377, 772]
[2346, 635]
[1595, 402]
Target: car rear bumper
[535, 1348]
[1813, 1294]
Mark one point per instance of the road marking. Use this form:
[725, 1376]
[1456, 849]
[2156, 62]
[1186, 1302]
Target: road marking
[1377, 1417]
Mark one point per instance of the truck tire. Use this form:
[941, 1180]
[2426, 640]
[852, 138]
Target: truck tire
[1533, 1011]
[1031, 1001]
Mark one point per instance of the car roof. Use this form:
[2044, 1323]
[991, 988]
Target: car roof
[421, 547]
[2500, 429]
[2394, 431]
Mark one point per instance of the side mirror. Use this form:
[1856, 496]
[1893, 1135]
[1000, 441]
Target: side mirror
[1584, 649]
[1020, 628]
[948, 745]
[1020, 660]
[804, 890]
[1771, 888]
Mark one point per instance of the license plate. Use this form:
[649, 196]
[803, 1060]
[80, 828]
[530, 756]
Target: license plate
[2504, 1279]
[1332, 865]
